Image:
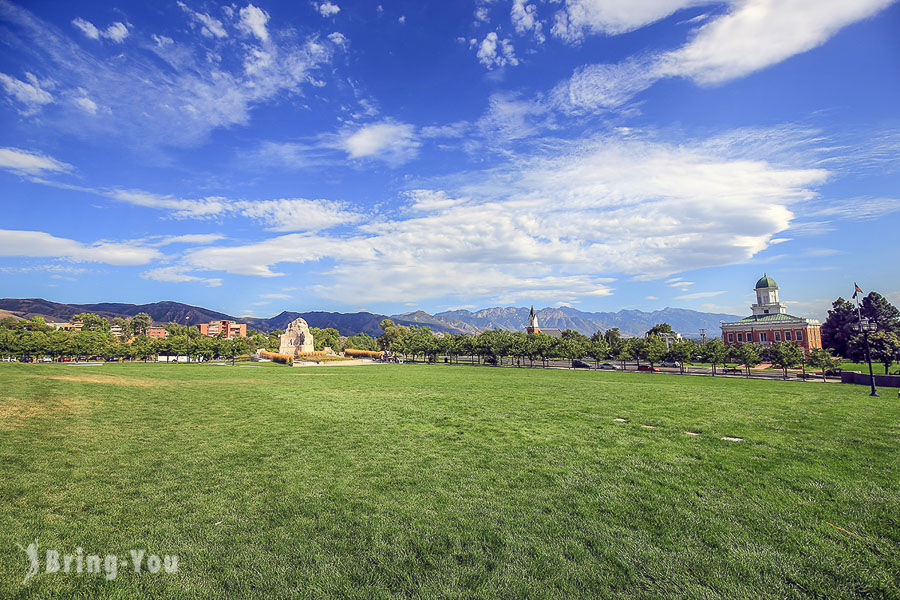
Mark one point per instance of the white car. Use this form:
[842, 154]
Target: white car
[10, 359]
[46, 359]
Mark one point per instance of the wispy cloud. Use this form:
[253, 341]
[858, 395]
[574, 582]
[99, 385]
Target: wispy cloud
[753, 35]
[177, 274]
[697, 295]
[45, 245]
[23, 161]
[167, 92]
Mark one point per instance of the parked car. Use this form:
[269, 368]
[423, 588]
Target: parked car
[10, 359]
[27, 359]
[672, 364]
[490, 360]
[732, 371]
[580, 364]
[648, 368]
[833, 372]
[46, 359]
[609, 367]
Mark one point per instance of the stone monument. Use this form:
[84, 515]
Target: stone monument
[296, 339]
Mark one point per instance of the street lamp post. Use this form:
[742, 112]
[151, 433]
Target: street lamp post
[865, 326]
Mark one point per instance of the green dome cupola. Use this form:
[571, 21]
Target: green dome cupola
[766, 282]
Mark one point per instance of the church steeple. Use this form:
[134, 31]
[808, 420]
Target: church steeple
[532, 326]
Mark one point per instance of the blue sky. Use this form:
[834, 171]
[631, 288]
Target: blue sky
[603, 154]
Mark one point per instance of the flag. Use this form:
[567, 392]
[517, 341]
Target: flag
[857, 290]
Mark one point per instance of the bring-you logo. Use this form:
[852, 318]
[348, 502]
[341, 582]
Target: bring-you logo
[108, 565]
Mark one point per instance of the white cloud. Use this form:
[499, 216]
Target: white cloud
[328, 9]
[754, 35]
[760, 33]
[392, 142]
[190, 238]
[297, 214]
[179, 275]
[87, 28]
[276, 296]
[651, 298]
[494, 52]
[524, 18]
[253, 22]
[22, 161]
[209, 26]
[697, 295]
[116, 32]
[181, 208]
[338, 38]
[176, 100]
[44, 245]
[612, 17]
[402, 19]
[30, 93]
[553, 228]
[87, 105]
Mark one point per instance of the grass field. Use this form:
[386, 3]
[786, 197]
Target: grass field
[457, 482]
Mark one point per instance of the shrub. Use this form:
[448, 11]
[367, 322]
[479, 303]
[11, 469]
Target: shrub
[362, 353]
[284, 359]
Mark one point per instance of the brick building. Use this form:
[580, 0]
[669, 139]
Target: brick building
[230, 329]
[770, 322]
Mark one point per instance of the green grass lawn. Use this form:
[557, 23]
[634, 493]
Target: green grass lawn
[447, 482]
[877, 367]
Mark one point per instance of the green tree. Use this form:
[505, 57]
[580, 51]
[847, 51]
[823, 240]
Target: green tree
[363, 341]
[839, 327]
[329, 337]
[11, 323]
[140, 322]
[518, 347]
[38, 324]
[391, 338]
[747, 354]
[683, 352]
[653, 349]
[542, 346]
[820, 358]
[569, 348]
[785, 355]
[877, 309]
[884, 348]
[714, 352]
[92, 321]
[660, 328]
[597, 349]
[124, 325]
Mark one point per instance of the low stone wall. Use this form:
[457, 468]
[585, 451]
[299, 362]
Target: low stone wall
[863, 379]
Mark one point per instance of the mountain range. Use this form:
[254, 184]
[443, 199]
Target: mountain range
[512, 318]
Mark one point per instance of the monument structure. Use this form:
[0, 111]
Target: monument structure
[296, 339]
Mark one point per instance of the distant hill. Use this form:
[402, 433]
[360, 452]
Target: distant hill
[166, 311]
[512, 318]
[630, 322]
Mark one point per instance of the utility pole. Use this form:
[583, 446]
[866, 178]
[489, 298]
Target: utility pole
[702, 336]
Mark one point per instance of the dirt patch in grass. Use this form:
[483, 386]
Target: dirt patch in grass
[142, 382]
[14, 411]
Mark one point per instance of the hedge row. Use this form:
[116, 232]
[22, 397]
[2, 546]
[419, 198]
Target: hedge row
[362, 353]
[285, 359]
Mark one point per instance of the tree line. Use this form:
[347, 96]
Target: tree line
[839, 336]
